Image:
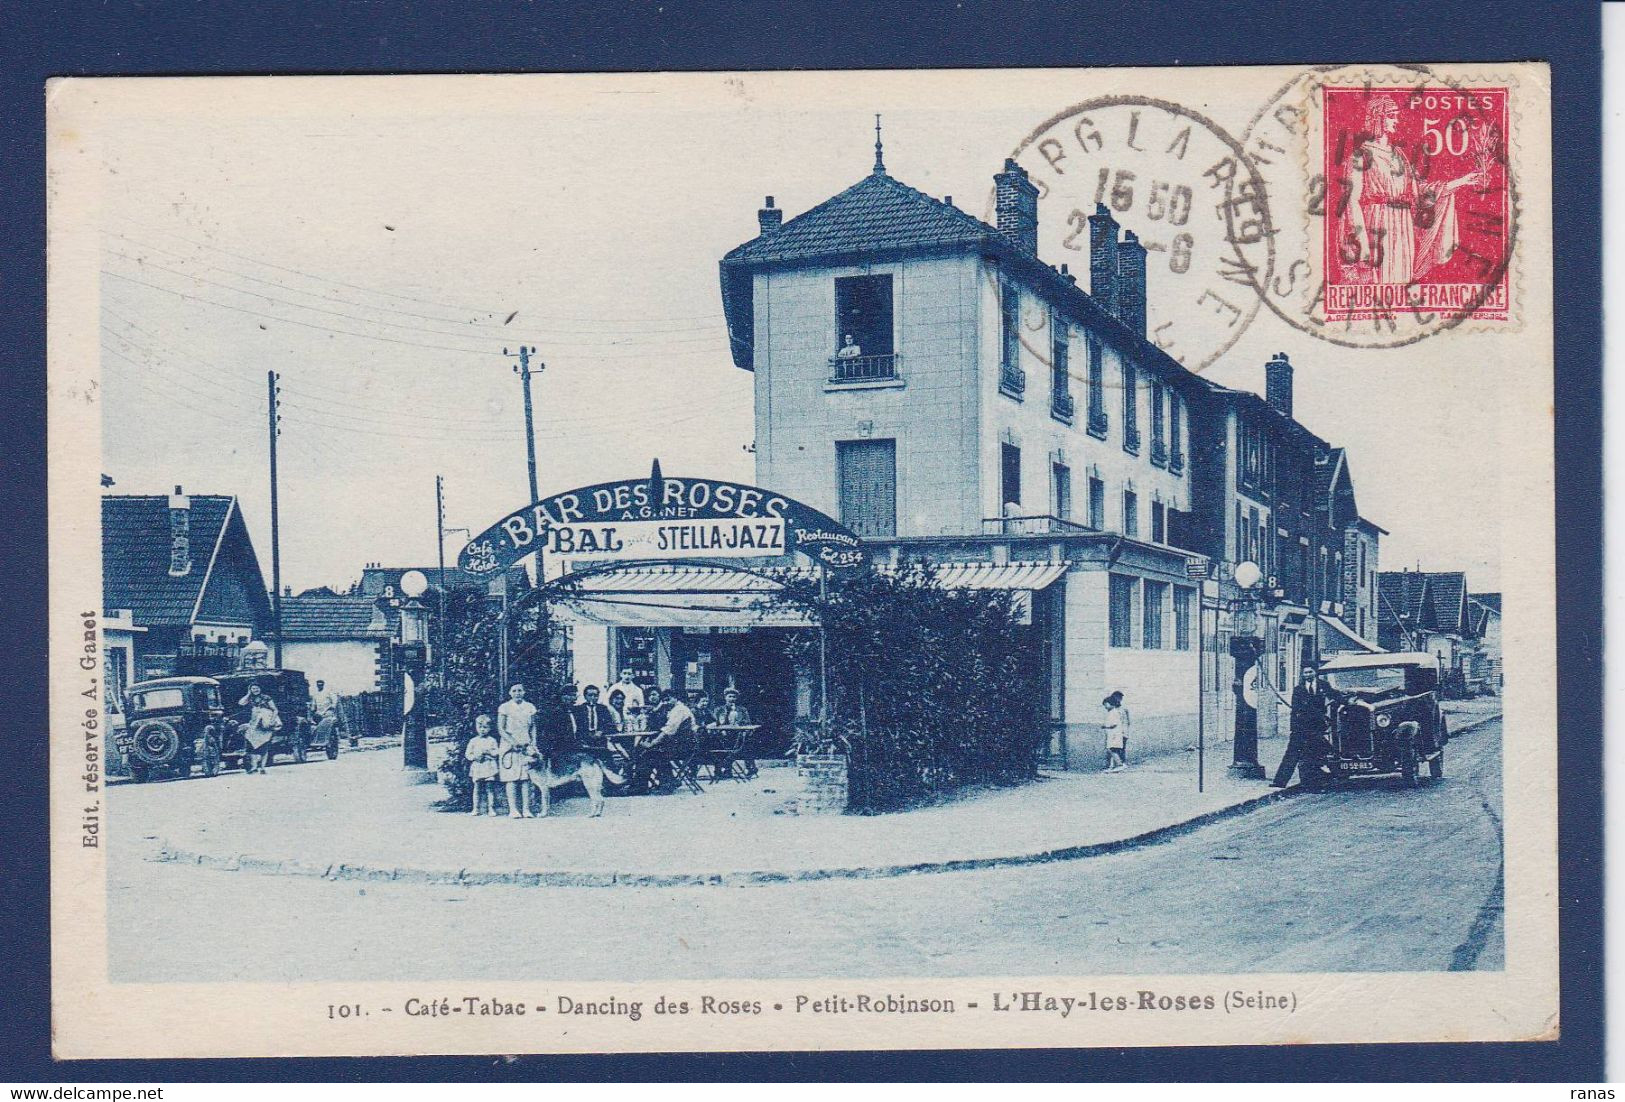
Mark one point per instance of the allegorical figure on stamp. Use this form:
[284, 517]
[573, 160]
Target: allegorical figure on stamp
[1398, 227]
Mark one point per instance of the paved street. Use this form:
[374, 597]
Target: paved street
[1376, 878]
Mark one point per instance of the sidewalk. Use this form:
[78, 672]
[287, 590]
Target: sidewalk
[357, 818]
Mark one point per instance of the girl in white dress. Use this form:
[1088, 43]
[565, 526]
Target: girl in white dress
[1115, 723]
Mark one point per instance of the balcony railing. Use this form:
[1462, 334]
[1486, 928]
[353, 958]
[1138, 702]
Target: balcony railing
[1176, 462]
[1131, 439]
[1012, 380]
[1063, 406]
[1098, 422]
[862, 369]
[1159, 452]
[1045, 524]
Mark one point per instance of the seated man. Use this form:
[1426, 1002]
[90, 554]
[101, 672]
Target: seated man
[731, 713]
[670, 739]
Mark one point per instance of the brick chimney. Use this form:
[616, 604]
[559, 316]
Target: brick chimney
[769, 218]
[1015, 198]
[1131, 283]
[180, 534]
[1103, 258]
[1278, 383]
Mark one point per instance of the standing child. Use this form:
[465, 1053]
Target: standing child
[1115, 724]
[482, 765]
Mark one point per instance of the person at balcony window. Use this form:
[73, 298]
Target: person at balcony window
[1115, 724]
[1307, 735]
[849, 349]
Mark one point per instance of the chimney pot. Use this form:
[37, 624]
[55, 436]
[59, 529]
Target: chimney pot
[1278, 383]
[1103, 258]
[180, 534]
[769, 218]
[1131, 282]
[1015, 200]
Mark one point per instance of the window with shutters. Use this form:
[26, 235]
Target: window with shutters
[1010, 474]
[1131, 513]
[1159, 522]
[1062, 477]
[1097, 388]
[1131, 409]
[1159, 442]
[1156, 594]
[1097, 504]
[1184, 599]
[867, 470]
[1121, 609]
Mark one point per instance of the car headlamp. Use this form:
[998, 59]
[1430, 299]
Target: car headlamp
[1384, 720]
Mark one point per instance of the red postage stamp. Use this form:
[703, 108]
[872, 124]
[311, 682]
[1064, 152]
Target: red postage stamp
[1418, 202]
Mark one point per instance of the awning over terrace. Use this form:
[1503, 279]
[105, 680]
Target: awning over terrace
[716, 597]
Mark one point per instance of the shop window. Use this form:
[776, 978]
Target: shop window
[1063, 490]
[1122, 610]
[1156, 594]
[1184, 599]
[863, 311]
[1010, 474]
[1131, 514]
[1097, 504]
[867, 470]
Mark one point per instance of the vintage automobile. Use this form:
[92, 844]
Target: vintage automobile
[1382, 718]
[291, 691]
[172, 724]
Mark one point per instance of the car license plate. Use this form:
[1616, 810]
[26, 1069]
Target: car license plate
[1356, 766]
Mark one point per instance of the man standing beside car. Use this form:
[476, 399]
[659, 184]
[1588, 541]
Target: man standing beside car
[1307, 736]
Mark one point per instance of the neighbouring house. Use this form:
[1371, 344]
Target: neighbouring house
[1429, 611]
[344, 641]
[182, 589]
[1485, 610]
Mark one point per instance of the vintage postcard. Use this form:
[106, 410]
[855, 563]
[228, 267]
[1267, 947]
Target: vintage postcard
[786, 561]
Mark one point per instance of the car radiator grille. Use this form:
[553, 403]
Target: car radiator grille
[1354, 730]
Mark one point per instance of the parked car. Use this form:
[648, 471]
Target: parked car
[1382, 718]
[172, 724]
[291, 691]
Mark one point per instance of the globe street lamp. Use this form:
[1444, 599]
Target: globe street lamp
[1246, 646]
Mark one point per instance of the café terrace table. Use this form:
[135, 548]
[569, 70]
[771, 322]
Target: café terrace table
[722, 747]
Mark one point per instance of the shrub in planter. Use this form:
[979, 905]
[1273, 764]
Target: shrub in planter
[931, 689]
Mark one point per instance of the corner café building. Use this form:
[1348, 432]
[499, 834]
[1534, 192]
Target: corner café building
[673, 579]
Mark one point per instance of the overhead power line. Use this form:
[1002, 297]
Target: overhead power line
[463, 308]
[710, 325]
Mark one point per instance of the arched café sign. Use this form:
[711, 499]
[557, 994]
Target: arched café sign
[658, 518]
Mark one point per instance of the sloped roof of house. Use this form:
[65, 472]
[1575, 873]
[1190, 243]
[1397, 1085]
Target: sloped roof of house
[878, 213]
[1491, 601]
[1402, 593]
[135, 555]
[1447, 594]
[309, 619]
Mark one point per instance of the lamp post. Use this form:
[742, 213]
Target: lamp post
[1245, 644]
[412, 656]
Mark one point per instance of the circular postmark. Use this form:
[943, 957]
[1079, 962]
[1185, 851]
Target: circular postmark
[1184, 187]
[1392, 202]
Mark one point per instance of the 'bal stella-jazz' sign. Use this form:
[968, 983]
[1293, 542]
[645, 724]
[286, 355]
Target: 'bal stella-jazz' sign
[658, 518]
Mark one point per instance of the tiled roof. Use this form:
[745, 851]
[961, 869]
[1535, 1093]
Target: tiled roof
[135, 556]
[1447, 592]
[1401, 592]
[875, 214]
[331, 618]
[1326, 467]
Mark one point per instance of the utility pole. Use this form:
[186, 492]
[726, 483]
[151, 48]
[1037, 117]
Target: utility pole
[276, 534]
[524, 371]
[440, 582]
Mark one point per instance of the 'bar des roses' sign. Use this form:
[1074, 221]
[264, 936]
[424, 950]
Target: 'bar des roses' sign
[664, 518]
